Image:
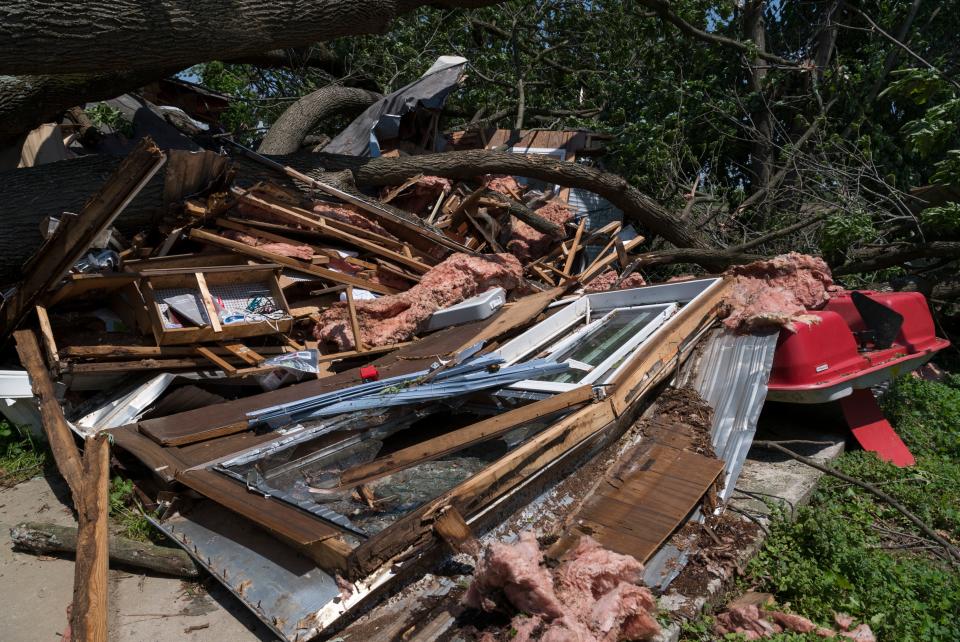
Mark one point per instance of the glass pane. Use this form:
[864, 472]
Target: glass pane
[619, 328]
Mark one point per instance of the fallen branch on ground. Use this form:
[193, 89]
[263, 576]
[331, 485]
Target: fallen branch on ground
[37, 537]
[951, 550]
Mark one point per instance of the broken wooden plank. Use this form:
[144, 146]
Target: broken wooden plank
[90, 585]
[245, 354]
[323, 273]
[354, 321]
[75, 234]
[55, 426]
[452, 528]
[459, 439]
[572, 253]
[216, 360]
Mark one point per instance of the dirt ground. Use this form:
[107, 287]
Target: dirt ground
[35, 590]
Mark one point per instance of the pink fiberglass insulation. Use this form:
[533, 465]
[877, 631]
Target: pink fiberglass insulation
[755, 623]
[395, 318]
[605, 281]
[350, 215]
[423, 195]
[592, 596]
[776, 292]
[528, 244]
[302, 252]
[503, 184]
[518, 571]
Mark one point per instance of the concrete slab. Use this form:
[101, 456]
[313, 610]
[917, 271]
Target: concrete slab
[35, 591]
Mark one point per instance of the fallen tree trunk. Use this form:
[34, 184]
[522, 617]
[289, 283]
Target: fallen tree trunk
[36, 537]
[100, 36]
[32, 193]
[287, 134]
[376, 172]
[28, 101]
[891, 255]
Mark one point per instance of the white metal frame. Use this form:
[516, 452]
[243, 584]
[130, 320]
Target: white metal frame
[539, 337]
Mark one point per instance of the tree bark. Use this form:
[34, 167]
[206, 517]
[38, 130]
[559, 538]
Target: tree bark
[376, 172]
[28, 101]
[32, 193]
[98, 36]
[287, 134]
[42, 538]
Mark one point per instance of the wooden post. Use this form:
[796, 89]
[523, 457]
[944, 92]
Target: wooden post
[354, 321]
[90, 585]
[88, 479]
[574, 246]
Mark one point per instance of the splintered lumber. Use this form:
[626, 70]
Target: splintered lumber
[607, 258]
[41, 538]
[55, 426]
[452, 528]
[75, 234]
[323, 273]
[453, 441]
[90, 586]
[572, 253]
[657, 358]
[376, 209]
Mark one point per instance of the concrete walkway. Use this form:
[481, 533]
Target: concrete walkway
[35, 590]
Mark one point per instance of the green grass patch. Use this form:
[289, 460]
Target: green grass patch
[21, 455]
[127, 514]
[849, 552]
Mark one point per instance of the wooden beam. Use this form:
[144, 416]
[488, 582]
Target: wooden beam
[572, 253]
[90, 585]
[323, 273]
[244, 353]
[354, 321]
[75, 234]
[46, 337]
[61, 439]
[208, 302]
[452, 529]
[224, 365]
[464, 437]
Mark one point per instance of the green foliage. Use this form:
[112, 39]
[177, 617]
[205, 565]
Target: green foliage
[845, 230]
[127, 513]
[21, 456]
[103, 115]
[926, 414]
[833, 557]
[942, 220]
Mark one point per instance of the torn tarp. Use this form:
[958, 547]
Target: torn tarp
[381, 121]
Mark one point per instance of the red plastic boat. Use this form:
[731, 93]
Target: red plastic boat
[863, 338]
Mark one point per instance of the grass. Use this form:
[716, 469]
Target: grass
[126, 513]
[21, 456]
[847, 552]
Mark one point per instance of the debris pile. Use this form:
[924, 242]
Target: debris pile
[592, 595]
[395, 318]
[773, 293]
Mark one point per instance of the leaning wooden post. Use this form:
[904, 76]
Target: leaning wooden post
[88, 479]
[90, 583]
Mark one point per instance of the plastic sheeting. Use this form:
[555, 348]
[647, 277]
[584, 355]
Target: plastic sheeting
[381, 121]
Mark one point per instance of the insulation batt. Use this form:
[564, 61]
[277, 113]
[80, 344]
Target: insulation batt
[526, 243]
[351, 216]
[503, 184]
[302, 252]
[424, 194]
[774, 293]
[755, 624]
[591, 597]
[605, 281]
[395, 318]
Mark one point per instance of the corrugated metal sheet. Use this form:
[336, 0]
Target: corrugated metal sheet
[731, 375]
